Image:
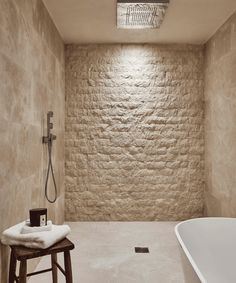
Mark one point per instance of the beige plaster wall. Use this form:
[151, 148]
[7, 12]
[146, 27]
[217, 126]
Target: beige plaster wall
[220, 121]
[134, 132]
[31, 83]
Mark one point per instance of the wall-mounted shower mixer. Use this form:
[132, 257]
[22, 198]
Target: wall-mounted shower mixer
[49, 141]
[50, 137]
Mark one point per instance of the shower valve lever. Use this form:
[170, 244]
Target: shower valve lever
[49, 139]
[45, 139]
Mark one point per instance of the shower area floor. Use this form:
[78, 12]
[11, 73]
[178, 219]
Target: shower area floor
[105, 253]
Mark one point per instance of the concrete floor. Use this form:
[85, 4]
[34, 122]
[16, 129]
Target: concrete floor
[104, 253]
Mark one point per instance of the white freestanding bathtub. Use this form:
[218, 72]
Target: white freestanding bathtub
[210, 246]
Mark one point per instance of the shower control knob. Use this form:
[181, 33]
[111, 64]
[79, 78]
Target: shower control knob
[54, 137]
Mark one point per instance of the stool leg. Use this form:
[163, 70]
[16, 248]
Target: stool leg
[54, 268]
[12, 268]
[68, 269]
[23, 271]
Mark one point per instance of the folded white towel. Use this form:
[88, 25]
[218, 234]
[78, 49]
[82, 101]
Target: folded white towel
[26, 229]
[42, 240]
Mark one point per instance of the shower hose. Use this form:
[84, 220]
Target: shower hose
[50, 166]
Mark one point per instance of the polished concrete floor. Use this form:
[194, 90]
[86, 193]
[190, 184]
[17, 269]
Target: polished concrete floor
[105, 253]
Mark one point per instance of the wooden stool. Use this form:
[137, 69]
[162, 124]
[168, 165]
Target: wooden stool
[22, 254]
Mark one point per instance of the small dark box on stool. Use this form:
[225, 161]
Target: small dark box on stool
[38, 217]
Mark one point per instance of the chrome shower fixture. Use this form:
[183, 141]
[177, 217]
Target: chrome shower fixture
[137, 14]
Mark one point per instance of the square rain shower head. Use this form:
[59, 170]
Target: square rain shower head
[137, 14]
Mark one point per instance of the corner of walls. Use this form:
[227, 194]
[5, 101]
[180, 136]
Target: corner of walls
[220, 117]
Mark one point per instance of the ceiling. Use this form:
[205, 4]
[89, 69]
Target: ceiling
[94, 21]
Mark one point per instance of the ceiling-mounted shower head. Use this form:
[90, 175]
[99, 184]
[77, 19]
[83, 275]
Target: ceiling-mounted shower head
[137, 14]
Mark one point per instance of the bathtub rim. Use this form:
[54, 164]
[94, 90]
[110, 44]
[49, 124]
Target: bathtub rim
[183, 246]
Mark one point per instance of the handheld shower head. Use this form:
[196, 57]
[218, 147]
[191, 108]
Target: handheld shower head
[49, 141]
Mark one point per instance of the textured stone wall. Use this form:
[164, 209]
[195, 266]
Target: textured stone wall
[31, 83]
[134, 132]
[220, 121]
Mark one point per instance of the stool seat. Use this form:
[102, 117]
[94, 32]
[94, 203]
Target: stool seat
[22, 254]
